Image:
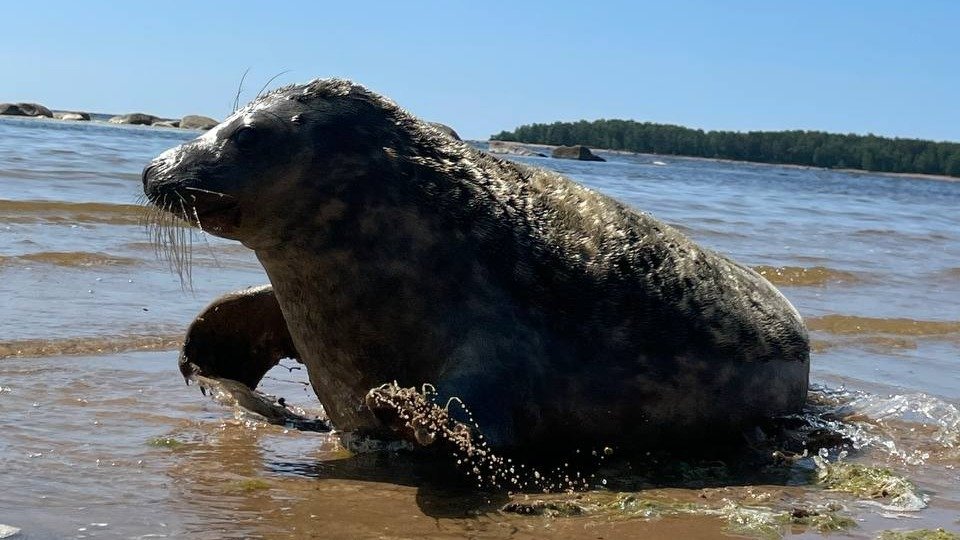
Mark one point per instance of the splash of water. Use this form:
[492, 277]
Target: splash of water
[256, 406]
[418, 416]
[891, 424]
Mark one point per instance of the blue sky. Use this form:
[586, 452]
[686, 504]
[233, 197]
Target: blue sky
[890, 68]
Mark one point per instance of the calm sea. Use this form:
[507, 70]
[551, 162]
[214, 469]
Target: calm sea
[99, 437]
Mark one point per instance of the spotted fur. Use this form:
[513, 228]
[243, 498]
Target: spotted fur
[558, 314]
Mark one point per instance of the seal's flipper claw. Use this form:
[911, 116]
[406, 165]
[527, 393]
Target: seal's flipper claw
[264, 407]
[238, 337]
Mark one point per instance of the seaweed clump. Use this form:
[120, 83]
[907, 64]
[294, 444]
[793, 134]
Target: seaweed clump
[747, 520]
[418, 419]
[870, 482]
[249, 485]
[920, 534]
[165, 442]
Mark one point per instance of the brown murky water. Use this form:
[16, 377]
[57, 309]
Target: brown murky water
[100, 438]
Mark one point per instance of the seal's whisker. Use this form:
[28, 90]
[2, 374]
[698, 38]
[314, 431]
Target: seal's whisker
[192, 216]
[236, 98]
[203, 235]
[217, 193]
[185, 240]
[266, 84]
[196, 217]
[187, 216]
[171, 236]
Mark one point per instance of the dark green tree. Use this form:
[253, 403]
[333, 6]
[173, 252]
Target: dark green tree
[812, 148]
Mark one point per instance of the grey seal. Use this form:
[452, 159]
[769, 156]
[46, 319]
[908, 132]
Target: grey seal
[560, 316]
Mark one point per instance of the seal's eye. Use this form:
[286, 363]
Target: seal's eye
[246, 137]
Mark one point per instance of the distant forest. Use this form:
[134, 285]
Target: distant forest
[813, 148]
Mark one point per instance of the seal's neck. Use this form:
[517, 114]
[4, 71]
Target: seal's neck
[359, 295]
[367, 279]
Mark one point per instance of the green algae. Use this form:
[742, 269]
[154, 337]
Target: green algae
[825, 521]
[633, 505]
[755, 521]
[248, 485]
[869, 482]
[165, 442]
[768, 523]
[919, 534]
[740, 519]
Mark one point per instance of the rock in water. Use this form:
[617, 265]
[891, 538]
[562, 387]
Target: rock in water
[138, 119]
[511, 148]
[25, 109]
[73, 116]
[578, 152]
[194, 121]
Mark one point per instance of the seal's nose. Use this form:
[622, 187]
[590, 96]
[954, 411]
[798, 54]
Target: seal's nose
[148, 173]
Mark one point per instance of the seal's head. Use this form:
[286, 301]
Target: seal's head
[310, 146]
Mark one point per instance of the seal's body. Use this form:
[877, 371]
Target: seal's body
[555, 313]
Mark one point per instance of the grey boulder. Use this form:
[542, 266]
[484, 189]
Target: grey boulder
[70, 115]
[578, 152]
[511, 148]
[195, 121]
[139, 119]
[25, 109]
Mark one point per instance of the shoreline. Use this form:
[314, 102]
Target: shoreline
[102, 119]
[548, 148]
[96, 122]
[917, 176]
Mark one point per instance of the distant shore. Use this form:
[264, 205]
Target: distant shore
[809, 148]
[547, 148]
[36, 110]
[98, 120]
[103, 119]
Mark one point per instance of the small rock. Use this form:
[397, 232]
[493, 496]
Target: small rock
[167, 123]
[25, 109]
[139, 119]
[7, 531]
[69, 115]
[511, 148]
[194, 121]
[578, 152]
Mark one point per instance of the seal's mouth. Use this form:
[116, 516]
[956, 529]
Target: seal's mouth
[175, 189]
[209, 211]
[209, 203]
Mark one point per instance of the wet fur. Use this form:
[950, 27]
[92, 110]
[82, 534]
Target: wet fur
[558, 314]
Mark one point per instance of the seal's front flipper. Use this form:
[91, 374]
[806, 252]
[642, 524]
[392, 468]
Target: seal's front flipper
[232, 344]
[238, 337]
[413, 416]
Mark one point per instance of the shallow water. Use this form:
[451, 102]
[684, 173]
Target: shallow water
[101, 438]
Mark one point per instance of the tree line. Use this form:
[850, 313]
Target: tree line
[796, 147]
